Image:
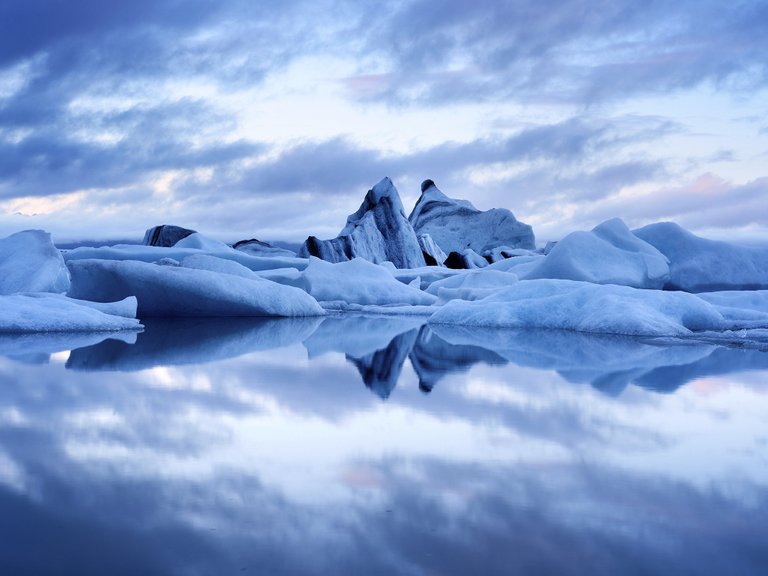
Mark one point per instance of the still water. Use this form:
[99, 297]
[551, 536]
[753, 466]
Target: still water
[356, 445]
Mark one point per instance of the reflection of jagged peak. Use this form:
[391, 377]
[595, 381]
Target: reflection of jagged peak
[432, 358]
[381, 369]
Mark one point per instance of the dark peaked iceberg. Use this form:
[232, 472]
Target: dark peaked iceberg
[455, 225]
[379, 231]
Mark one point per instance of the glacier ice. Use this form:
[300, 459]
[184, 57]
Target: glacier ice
[609, 254]
[456, 225]
[29, 262]
[379, 232]
[171, 291]
[359, 281]
[701, 265]
[586, 307]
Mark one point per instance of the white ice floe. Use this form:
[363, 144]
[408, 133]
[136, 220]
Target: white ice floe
[186, 292]
[609, 254]
[29, 262]
[21, 313]
[586, 307]
[700, 265]
[359, 282]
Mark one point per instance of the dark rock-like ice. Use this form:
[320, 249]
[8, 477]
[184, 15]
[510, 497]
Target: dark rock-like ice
[379, 232]
[165, 235]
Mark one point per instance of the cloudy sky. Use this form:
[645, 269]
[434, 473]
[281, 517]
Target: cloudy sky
[271, 119]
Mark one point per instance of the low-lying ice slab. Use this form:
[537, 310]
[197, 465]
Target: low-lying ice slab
[29, 262]
[22, 313]
[587, 307]
[359, 282]
[609, 254]
[173, 291]
[700, 265]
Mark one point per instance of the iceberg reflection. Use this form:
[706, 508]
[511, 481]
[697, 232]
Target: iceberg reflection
[272, 459]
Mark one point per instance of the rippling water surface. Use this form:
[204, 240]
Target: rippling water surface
[356, 445]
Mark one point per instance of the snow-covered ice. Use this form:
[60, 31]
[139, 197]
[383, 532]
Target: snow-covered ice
[609, 254]
[701, 265]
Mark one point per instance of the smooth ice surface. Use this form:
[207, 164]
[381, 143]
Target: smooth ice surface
[20, 313]
[29, 262]
[609, 254]
[701, 265]
[630, 458]
[456, 224]
[586, 307]
[472, 285]
[186, 292]
[359, 282]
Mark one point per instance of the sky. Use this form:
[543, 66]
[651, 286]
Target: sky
[271, 120]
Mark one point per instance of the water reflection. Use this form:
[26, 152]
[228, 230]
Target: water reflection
[252, 447]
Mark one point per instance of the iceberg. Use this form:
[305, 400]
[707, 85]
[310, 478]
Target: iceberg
[473, 285]
[456, 225]
[433, 254]
[172, 291]
[360, 282]
[258, 248]
[700, 265]
[587, 307]
[165, 235]
[378, 232]
[467, 259]
[23, 313]
[609, 254]
[29, 262]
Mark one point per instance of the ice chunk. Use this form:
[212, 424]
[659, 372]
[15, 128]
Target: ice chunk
[200, 242]
[609, 254]
[359, 282]
[165, 235]
[433, 254]
[155, 253]
[379, 231]
[179, 291]
[700, 265]
[21, 313]
[586, 307]
[258, 248]
[467, 259]
[456, 224]
[29, 262]
[472, 285]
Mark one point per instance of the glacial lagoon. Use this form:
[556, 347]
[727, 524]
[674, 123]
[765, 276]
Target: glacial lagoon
[379, 445]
